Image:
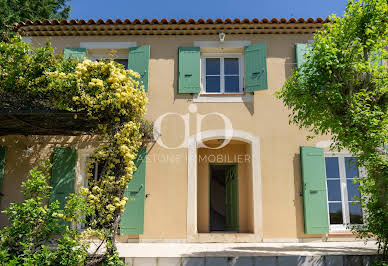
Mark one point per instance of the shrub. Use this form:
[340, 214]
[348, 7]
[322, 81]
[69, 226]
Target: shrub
[38, 233]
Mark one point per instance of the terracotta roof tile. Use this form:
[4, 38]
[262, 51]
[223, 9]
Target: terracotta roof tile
[238, 26]
[172, 21]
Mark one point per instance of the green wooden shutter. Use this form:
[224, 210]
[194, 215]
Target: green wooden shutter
[132, 219]
[63, 174]
[255, 67]
[2, 164]
[231, 223]
[300, 50]
[189, 67]
[138, 60]
[79, 53]
[316, 217]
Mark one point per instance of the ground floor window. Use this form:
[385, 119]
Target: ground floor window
[342, 192]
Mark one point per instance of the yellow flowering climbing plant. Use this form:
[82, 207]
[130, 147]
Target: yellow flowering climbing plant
[113, 97]
[107, 100]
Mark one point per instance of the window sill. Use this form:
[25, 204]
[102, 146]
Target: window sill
[223, 97]
[222, 94]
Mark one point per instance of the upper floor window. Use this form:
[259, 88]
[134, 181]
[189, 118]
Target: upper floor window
[342, 192]
[222, 73]
[121, 61]
[124, 62]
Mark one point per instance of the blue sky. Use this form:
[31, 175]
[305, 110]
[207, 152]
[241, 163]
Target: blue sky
[95, 9]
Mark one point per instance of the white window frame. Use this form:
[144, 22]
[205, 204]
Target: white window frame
[222, 56]
[82, 181]
[344, 192]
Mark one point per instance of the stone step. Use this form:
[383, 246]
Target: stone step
[340, 260]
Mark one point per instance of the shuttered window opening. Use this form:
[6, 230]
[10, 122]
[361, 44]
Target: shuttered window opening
[132, 219]
[222, 73]
[342, 191]
[135, 58]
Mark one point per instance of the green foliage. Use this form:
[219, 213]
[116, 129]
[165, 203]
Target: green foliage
[23, 82]
[342, 91]
[36, 234]
[13, 11]
[103, 92]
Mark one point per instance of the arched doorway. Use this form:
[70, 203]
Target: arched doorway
[240, 156]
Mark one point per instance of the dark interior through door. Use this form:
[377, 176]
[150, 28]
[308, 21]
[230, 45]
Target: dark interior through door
[223, 198]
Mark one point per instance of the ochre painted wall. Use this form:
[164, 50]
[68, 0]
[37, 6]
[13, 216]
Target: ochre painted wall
[166, 174]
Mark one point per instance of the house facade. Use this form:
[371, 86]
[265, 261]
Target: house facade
[226, 165]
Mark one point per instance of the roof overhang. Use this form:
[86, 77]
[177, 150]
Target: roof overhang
[168, 27]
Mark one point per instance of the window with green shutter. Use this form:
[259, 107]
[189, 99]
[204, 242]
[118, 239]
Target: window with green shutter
[138, 60]
[63, 174]
[255, 67]
[221, 73]
[132, 219]
[189, 70]
[79, 53]
[316, 219]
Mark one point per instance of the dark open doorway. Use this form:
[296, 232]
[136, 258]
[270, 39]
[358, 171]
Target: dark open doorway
[223, 198]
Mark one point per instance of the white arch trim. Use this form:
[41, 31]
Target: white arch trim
[194, 141]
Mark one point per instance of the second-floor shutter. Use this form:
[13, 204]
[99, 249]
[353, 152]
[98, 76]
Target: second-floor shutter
[255, 67]
[79, 53]
[138, 61]
[300, 51]
[316, 217]
[189, 61]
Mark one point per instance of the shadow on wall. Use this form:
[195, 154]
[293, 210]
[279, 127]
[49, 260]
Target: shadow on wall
[25, 152]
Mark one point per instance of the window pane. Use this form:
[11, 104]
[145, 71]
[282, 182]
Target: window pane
[231, 66]
[335, 212]
[212, 66]
[351, 167]
[334, 190]
[332, 170]
[352, 189]
[355, 213]
[212, 84]
[124, 62]
[232, 84]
